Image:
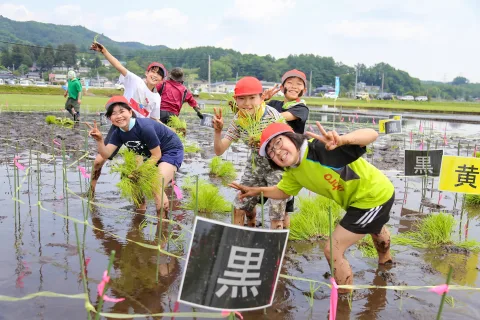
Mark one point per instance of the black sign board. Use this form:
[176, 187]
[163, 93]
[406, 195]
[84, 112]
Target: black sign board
[232, 268]
[423, 162]
[394, 126]
[207, 120]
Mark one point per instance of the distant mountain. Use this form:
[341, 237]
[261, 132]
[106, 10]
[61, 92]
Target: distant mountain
[42, 34]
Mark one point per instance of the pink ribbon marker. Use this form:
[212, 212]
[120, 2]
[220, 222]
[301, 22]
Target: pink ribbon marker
[341, 120]
[420, 128]
[18, 164]
[353, 120]
[101, 287]
[177, 190]
[441, 289]
[226, 313]
[421, 146]
[373, 121]
[440, 196]
[445, 140]
[333, 300]
[411, 137]
[310, 127]
[57, 143]
[83, 171]
[356, 116]
[475, 152]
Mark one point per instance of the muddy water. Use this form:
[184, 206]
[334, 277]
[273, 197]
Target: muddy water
[39, 251]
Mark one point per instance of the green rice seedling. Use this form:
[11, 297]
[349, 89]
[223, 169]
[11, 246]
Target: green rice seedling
[367, 248]
[209, 197]
[179, 125]
[51, 119]
[432, 232]
[311, 221]
[222, 169]
[137, 180]
[472, 199]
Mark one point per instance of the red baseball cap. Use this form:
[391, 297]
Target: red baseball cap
[294, 73]
[117, 99]
[271, 132]
[247, 86]
[161, 66]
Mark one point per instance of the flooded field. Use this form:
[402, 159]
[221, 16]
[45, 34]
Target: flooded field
[40, 251]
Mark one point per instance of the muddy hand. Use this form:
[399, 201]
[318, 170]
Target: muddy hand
[268, 94]
[244, 190]
[217, 119]
[331, 139]
[97, 47]
[94, 132]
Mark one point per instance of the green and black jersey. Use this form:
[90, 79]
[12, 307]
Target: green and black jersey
[341, 175]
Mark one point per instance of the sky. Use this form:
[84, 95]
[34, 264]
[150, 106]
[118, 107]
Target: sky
[430, 39]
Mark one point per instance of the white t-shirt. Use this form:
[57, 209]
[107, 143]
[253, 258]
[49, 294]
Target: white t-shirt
[145, 103]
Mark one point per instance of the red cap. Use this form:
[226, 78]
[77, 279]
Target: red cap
[271, 132]
[294, 73]
[247, 86]
[117, 99]
[156, 64]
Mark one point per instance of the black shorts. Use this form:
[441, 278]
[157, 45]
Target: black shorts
[367, 221]
[72, 103]
[107, 139]
[165, 116]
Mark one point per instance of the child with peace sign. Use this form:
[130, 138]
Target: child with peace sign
[247, 125]
[146, 137]
[331, 165]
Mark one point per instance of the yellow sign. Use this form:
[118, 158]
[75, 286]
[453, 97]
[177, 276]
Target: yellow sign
[381, 125]
[397, 117]
[460, 174]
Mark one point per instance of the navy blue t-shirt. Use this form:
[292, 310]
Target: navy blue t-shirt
[146, 135]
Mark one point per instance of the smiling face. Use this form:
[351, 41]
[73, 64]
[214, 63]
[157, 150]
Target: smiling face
[282, 151]
[247, 104]
[120, 116]
[293, 88]
[153, 76]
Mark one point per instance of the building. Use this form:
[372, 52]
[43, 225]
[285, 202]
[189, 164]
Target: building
[33, 76]
[105, 63]
[83, 70]
[57, 78]
[229, 86]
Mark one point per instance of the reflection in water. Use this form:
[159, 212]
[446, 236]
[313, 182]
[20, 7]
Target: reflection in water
[135, 269]
[464, 266]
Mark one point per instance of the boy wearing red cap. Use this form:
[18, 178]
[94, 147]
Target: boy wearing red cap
[252, 117]
[332, 166]
[141, 94]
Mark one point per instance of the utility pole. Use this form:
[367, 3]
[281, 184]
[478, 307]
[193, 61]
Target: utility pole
[310, 85]
[209, 70]
[383, 77]
[356, 79]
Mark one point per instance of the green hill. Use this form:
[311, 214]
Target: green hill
[42, 34]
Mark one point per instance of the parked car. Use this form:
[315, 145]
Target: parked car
[421, 98]
[330, 95]
[24, 83]
[11, 82]
[2, 81]
[385, 96]
[362, 95]
[407, 98]
[41, 84]
[196, 93]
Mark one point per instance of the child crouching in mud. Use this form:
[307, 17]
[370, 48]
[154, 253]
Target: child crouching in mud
[247, 125]
[331, 165]
[146, 137]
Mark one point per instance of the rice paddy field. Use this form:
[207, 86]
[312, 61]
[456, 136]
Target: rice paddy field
[57, 242]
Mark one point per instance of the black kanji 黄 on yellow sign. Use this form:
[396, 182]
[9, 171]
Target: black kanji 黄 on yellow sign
[460, 174]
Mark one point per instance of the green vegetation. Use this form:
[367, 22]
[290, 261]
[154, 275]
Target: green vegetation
[432, 232]
[92, 92]
[222, 169]
[312, 221]
[66, 122]
[367, 247]
[48, 103]
[209, 197]
[177, 123]
[472, 199]
[191, 147]
[137, 180]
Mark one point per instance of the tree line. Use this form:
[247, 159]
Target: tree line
[228, 65]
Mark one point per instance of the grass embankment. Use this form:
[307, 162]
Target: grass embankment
[104, 92]
[432, 106]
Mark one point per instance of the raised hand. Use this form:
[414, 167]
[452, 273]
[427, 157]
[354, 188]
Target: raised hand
[97, 47]
[217, 120]
[94, 132]
[331, 139]
[268, 94]
[244, 190]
